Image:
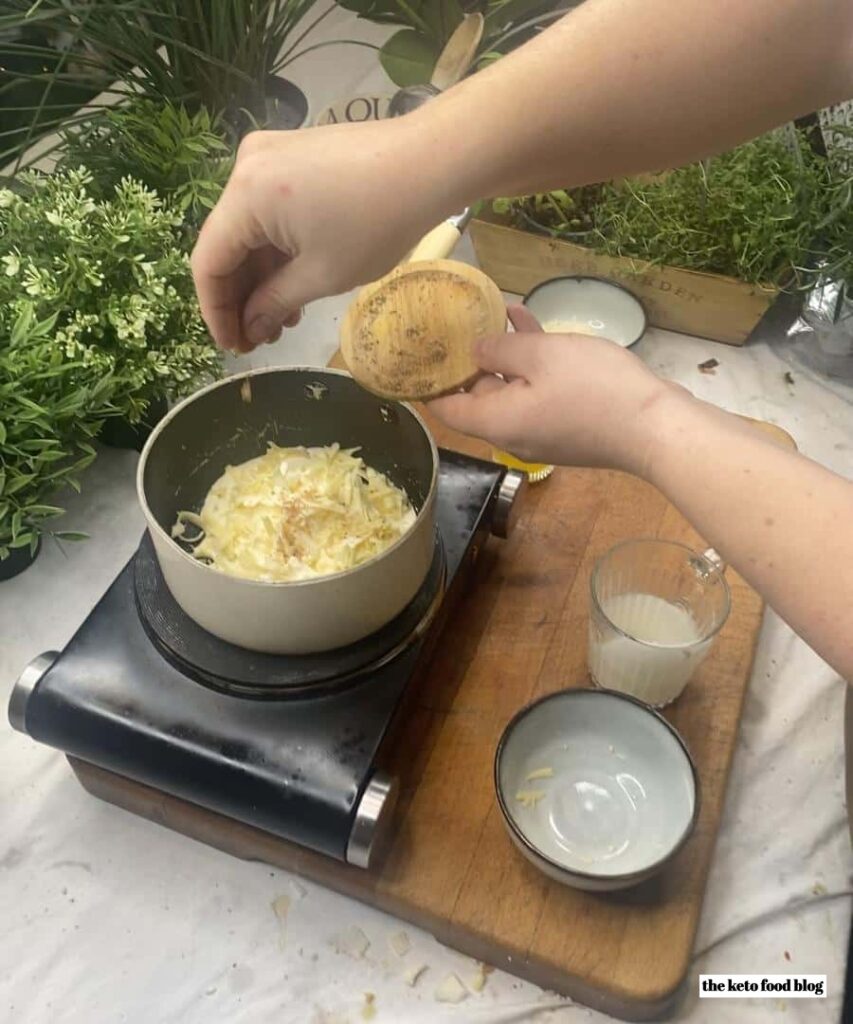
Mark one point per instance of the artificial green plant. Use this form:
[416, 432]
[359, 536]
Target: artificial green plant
[833, 255]
[198, 54]
[112, 277]
[753, 213]
[180, 155]
[51, 407]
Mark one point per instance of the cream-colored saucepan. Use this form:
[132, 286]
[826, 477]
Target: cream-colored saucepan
[216, 427]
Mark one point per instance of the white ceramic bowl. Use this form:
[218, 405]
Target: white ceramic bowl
[621, 799]
[588, 305]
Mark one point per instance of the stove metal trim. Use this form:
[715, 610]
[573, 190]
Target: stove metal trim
[372, 820]
[24, 686]
[508, 503]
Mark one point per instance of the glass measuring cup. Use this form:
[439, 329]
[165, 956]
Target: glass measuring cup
[655, 608]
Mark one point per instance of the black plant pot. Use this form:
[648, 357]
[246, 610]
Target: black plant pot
[281, 106]
[18, 560]
[118, 433]
[287, 104]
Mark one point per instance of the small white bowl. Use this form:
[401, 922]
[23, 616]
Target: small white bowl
[622, 798]
[588, 305]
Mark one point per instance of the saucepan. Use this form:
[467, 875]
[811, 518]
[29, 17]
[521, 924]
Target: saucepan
[235, 420]
[217, 427]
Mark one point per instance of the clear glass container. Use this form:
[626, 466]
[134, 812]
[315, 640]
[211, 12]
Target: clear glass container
[655, 609]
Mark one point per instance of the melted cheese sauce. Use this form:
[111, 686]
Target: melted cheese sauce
[297, 513]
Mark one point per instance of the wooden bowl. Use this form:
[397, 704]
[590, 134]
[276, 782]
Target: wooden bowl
[408, 336]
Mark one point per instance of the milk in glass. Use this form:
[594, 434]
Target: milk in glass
[653, 657]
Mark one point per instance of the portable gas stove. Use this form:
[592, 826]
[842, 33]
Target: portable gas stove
[289, 744]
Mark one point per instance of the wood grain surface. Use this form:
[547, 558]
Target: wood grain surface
[409, 334]
[708, 305]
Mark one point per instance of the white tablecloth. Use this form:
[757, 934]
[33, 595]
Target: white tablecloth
[108, 918]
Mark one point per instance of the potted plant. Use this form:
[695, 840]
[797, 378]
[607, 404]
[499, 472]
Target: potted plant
[833, 254]
[826, 325]
[707, 246]
[115, 278]
[51, 407]
[409, 55]
[226, 57]
[562, 213]
[182, 156]
[34, 54]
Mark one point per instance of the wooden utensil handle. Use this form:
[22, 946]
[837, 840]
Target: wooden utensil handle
[459, 52]
[436, 244]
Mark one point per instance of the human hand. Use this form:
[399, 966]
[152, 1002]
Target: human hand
[307, 214]
[562, 399]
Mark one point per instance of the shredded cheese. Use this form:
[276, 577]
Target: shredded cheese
[413, 973]
[399, 943]
[451, 990]
[529, 797]
[296, 513]
[478, 981]
[352, 942]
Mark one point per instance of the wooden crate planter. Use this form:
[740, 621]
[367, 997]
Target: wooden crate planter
[708, 305]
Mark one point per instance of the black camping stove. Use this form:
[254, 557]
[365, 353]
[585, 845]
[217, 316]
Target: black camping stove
[288, 744]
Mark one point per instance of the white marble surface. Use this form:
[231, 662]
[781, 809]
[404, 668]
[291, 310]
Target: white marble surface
[108, 918]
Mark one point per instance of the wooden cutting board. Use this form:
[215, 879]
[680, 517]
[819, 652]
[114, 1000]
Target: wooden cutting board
[451, 868]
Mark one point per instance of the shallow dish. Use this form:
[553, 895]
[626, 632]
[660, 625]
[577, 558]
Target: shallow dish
[588, 305]
[596, 788]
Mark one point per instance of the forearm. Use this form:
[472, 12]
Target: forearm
[620, 86]
[784, 522]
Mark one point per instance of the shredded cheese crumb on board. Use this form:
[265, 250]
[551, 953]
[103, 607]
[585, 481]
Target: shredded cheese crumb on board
[296, 513]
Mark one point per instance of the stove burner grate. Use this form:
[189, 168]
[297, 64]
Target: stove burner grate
[239, 671]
